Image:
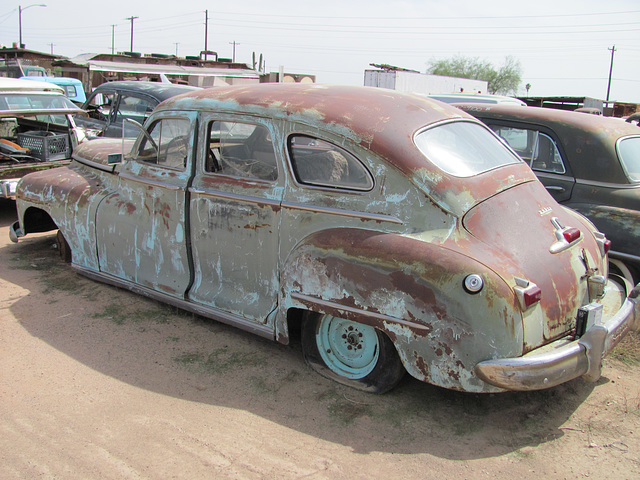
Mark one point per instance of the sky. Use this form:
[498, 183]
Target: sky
[564, 46]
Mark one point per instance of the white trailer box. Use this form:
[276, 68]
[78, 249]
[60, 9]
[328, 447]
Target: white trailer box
[414, 82]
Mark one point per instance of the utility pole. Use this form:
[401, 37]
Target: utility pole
[51, 45]
[234, 50]
[132, 19]
[206, 33]
[113, 39]
[612, 50]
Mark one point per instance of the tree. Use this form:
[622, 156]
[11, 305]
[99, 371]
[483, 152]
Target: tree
[503, 81]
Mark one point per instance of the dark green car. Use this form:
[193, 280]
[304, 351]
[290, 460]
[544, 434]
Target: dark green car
[588, 163]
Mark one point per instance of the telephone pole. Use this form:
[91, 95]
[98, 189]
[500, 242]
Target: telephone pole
[206, 33]
[612, 50]
[234, 43]
[132, 19]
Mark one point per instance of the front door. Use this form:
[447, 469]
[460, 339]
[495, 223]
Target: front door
[141, 227]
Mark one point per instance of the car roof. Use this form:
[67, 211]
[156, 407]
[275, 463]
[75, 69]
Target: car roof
[55, 80]
[381, 120]
[548, 116]
[477, 98]
[21, 85]
[158, 90]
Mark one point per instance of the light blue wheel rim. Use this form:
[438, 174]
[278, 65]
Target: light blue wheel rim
[348, 348]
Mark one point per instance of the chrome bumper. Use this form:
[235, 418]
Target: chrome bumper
[564, 360]
[15, 232]
[8, 188]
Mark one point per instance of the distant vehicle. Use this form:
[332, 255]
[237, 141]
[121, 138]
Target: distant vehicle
[476, 98]
[110, 103]
[72, 87]
[589, 163]
[394, 232]
[37, 130]
[18, 69]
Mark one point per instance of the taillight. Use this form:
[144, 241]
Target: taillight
[532, 296]
[528, 293]
[565, 236]
[571, 234]
[603, 243]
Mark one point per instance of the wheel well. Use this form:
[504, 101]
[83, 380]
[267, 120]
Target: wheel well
[36, 220]
[294, 323]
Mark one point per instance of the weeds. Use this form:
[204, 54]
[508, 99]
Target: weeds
[221, 360]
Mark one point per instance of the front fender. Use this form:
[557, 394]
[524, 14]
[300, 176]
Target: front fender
[413, 291]
[69, 196]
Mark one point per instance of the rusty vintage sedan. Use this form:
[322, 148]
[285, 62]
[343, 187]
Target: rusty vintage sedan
[396, 233]
[588, 163]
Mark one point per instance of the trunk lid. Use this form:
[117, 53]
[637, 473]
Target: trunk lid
[520, 226]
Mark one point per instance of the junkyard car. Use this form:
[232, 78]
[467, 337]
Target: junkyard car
[110, 103]
[397, 232]
[590, 164]
[37, 130]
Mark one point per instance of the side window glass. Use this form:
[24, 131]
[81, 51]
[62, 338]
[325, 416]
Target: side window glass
[241, 150]
[135, 108]
[536, 148]
[100, 106]
[168, 144]
[318, 162]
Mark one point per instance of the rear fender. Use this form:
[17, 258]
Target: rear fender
[413, 291]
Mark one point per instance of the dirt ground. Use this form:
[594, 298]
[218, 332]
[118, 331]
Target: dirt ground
[96, 382]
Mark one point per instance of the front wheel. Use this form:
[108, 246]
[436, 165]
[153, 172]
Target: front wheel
[350, 353]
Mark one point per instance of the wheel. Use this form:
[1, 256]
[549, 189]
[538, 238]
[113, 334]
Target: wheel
[350, 353]
[63, 247]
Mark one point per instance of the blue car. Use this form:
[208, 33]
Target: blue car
[72, 87]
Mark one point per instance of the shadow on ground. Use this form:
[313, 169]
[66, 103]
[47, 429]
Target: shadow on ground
[164, 350]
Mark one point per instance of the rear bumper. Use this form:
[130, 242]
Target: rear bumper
[564, 360]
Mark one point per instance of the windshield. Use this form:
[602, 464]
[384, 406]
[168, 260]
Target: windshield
[463, 149]
[34, 101]
[629, 150]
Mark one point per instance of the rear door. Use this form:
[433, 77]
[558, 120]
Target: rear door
[542, 151]
[235, 216]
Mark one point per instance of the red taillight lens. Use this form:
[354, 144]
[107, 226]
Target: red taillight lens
[571, 234]
[607, 246]
[531, 296]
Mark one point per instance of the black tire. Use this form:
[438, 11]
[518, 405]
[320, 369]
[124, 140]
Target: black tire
[64, 250]
[377, 371]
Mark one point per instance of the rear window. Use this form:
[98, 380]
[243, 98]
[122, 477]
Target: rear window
[463, 149]
[629, 150]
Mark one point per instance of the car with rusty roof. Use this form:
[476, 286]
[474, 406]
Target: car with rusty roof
[395, 233]
[111, 103]
[37, 129]
[588, 163]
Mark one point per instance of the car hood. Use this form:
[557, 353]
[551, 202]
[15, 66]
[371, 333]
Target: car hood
[103, 152]
[516, 235]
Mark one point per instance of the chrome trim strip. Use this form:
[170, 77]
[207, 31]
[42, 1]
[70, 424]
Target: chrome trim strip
[235, 197]
[307, 299]
[146, 181]
[346, 213]
[99, 166]
[219, 316]
[624, 256]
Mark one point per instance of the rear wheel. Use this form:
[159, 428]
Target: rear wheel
[351, 353]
